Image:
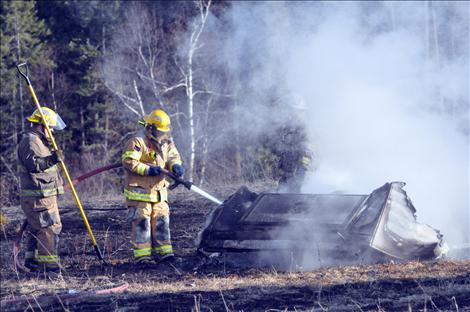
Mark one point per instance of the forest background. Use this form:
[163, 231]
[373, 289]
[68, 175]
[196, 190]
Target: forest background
[102, 65]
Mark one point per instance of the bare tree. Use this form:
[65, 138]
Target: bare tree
[143, 67]
[133, 69]
[188, 73]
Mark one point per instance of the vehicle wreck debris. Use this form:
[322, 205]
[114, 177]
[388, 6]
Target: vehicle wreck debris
[306, 231]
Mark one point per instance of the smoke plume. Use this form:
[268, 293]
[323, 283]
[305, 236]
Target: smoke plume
[383, 89]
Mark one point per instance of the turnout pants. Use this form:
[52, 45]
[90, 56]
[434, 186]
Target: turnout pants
[150, 229]
[42, 232]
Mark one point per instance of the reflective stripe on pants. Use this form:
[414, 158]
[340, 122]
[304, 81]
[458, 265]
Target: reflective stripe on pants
[150, 228]
[163, 250]
[47, 258]
[143, 252]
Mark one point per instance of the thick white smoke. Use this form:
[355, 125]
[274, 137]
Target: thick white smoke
[386, 95]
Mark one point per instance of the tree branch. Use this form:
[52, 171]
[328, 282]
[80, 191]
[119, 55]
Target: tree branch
[212, 93]
[139, 98]
[124, 99]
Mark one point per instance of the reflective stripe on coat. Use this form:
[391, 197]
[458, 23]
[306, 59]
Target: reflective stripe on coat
[139, 154]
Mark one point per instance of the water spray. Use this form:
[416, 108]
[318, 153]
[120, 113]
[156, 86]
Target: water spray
[205, 194]
[189, 185]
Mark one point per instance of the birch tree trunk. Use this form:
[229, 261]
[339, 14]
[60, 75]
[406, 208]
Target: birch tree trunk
[193, 46]
[190, 94]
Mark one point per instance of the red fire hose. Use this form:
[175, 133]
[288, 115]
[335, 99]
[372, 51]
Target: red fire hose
[23, 299]
[94, 172]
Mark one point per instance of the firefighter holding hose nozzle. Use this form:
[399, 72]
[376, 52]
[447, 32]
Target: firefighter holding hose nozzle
[40, 184]
[146, 188]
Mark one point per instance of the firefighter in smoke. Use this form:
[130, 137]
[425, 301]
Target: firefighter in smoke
[146, 188]
[40, 184]
[293, 157]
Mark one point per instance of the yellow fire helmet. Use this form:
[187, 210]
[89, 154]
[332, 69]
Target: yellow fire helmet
[52, 118]
[159, 119]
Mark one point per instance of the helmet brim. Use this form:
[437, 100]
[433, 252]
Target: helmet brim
[163, 130]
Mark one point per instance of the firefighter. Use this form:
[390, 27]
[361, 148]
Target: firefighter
[146, 188]
[41, 183]
[294, 158]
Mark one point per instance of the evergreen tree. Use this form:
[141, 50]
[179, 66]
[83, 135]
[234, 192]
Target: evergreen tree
[23, 39]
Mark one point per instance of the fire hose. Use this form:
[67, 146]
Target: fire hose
[71, 295]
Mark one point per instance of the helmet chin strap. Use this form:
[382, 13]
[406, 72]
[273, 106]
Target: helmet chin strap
[44, 132]
[159, 141]
[40, 130]
[151, 133]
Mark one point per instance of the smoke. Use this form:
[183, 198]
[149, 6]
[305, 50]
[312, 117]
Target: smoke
[383, 89]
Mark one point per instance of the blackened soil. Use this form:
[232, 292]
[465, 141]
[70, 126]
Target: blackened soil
[437, 294]
[200, 284]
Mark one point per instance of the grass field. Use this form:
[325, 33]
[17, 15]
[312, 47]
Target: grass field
[202, 285]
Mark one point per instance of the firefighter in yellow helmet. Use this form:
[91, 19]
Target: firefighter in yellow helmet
[146, 187]
[40, 184]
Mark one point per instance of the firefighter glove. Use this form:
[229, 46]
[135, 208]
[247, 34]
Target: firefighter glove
[49, 161]
[178, 170]
[154, 170]
[58, 156]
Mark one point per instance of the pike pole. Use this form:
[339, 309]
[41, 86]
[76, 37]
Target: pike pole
[64, 169]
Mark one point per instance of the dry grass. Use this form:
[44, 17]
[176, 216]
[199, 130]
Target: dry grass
[261, 282]
[389, 286]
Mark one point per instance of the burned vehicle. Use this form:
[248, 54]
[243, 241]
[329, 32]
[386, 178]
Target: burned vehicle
[312, 230]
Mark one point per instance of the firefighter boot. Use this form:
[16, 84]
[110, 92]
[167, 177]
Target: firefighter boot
[144, 260]
[30, 260]
[171, 258]
[30, 255]
[47, 256]
[31, 264]
[49, 267]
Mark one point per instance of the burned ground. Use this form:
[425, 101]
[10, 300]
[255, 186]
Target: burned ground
[203, 285]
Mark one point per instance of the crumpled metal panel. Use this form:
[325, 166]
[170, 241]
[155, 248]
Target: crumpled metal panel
[331, 224]
[398, 232]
